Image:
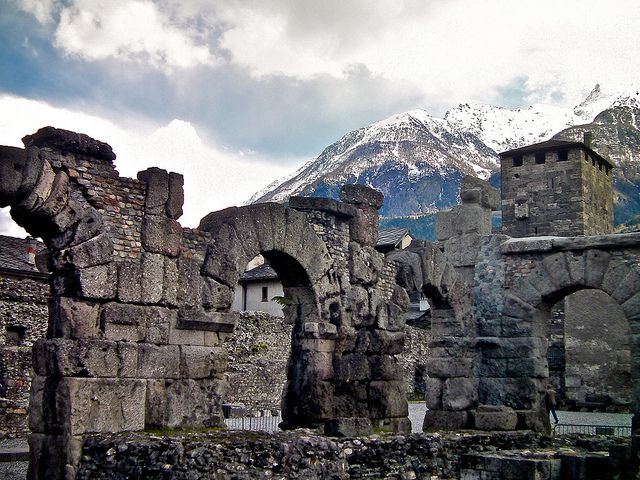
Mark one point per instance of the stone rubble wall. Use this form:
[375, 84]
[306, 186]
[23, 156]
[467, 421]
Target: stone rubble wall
[23, 304]
[301, 454]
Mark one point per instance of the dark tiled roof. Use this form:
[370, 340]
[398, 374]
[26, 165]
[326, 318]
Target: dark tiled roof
[554, 145]
[261, 272]
[391, 236]
[14, 253]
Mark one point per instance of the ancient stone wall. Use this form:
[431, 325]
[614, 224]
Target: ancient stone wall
[23, 320]
[253, 455]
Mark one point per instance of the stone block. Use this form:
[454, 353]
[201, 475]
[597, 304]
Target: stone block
[176, 196]
[475, 190]
[67, 141]
[152, 277]
[436, 420]
[361, 195]
[384, 367]
[215, 295]
[73, 318]
[180, 336]
[409, 269]
[137, 322]
[556, 266]
[129, 282]
[460, 393]
[80, 358]
[596, 264]
[627, 287]
[382, 342]
[352, 367]
[99, 405]
[445, 367]
[363, 227]
[185, 403]
[461, 220]
[54, 456]
[495, 417]
[462, 250]
[348, 427]
[96, 251]
[36, 197]
[198, 319]
[98, 282]
[387, 399]
[433, 388]
[202, 362]
[157, 194]
[57, 198]
[519, 393]
[158, 361]
[160, 234]
[13, 168]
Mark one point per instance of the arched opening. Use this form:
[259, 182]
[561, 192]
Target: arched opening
[272, 296]
[589, 353]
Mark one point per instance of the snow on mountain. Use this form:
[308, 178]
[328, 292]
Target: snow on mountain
[417, 160]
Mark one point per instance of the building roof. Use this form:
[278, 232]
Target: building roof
[552, 145]
[261, 272]
[15, 258]
[391, 237]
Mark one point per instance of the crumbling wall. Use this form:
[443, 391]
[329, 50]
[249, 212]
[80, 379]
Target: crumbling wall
[23, 320]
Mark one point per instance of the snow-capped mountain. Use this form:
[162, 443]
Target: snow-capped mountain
[417, 160]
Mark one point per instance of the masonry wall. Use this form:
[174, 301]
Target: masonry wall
[543, 199]
[23, 319]
[597, 181]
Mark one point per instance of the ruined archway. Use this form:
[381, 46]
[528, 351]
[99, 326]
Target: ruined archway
[451, 378]
[551, 272]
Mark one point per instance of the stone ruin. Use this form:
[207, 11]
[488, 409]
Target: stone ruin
[140, 307]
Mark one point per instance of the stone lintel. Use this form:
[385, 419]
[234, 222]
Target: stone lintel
[71, 142]
[327, 205]
[546, 244]
[194, 319]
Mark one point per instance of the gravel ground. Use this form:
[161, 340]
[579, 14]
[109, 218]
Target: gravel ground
[13, 470]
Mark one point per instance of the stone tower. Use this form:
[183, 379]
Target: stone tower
[557, 187]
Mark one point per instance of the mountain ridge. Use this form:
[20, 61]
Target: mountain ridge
[417, 160]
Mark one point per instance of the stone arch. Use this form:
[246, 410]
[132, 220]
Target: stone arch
[301, 260]
[451, 381]
[552, 276]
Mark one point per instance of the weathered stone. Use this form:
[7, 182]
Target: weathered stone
[13, 168]
[162, 235]
[461, 220]
[352, 367]
[40, 191]
[475, 190]
[348, 427]
[361, 195]
[176, 196]
[462, 250]
[68, 141]
[97, 251]
[152, 277]
[98, 282]
[197, 319]
[383, 342]
[129, 282]
[158, 361]
[387, 399]
[435, 420]
[184, 403]
[202, 362]
[433, 388]
[363, 227]
[157, 194]
[495, 417]
[73, 318]
[460, 393]
[409, 269]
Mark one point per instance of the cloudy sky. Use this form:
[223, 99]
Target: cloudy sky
[237, 93]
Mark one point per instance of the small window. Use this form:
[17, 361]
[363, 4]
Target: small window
[563, 155]
[517, 161]
[539, 158]
[265, 294]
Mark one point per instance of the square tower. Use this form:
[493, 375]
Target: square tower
[557, 187]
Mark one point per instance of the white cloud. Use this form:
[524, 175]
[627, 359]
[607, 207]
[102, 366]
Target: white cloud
[457, 48]
[214, 177]
[129, 31]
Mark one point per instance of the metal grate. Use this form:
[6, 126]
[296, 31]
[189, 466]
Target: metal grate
[611, 430]
[237, 417]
